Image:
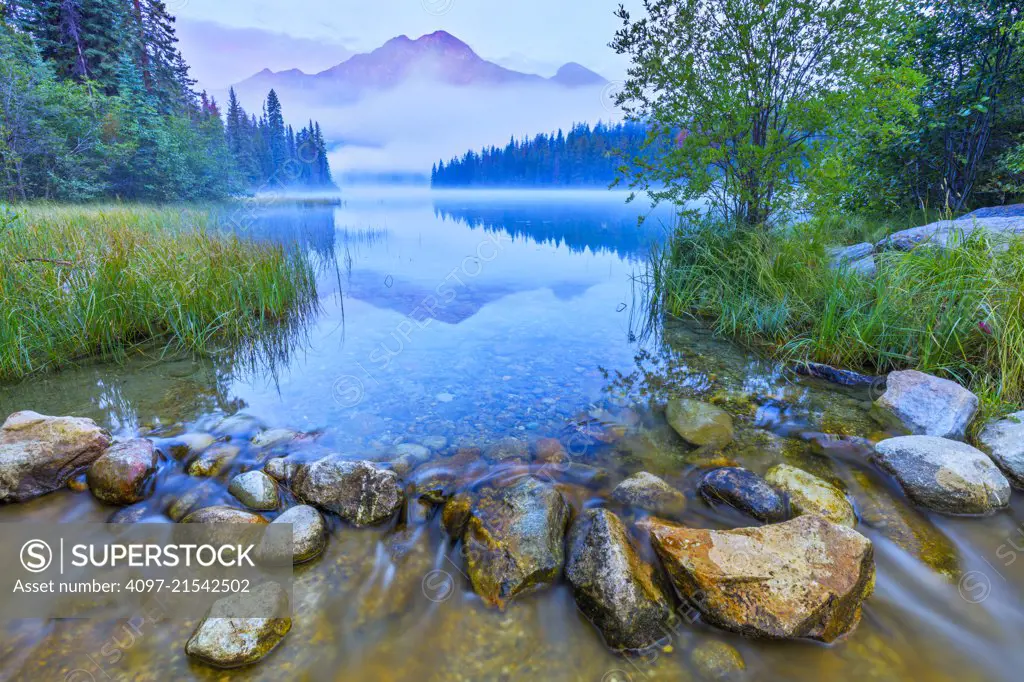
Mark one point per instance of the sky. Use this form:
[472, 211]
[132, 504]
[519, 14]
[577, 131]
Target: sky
[530, 35]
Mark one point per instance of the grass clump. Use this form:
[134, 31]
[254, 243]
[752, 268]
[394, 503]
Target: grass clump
[83, 282]
[957, 313]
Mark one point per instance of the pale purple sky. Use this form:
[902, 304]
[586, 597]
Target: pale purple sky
[529, 35]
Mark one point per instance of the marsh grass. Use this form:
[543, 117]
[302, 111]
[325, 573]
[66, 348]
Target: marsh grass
[99, 281]
[957, 313]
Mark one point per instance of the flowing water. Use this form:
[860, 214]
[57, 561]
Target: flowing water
[468, 318]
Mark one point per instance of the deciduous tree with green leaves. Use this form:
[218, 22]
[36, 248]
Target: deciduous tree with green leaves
[749, 93]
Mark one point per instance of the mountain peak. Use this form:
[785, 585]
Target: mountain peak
[576, 75]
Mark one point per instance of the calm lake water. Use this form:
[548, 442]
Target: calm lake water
[471, 317]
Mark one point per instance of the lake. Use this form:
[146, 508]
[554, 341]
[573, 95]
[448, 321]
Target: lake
[459, 319]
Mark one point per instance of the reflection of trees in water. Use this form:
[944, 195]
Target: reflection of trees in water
[310, 228]
[598, 226]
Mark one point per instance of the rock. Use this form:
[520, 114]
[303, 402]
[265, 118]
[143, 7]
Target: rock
[455, 514]
[700, 423]
[212, 461]
[225, 642]
[650, 493]
[929, 406]
[622, 595]
[281, 469]
[715, 660]
[1003, 440]
[550, 451]
[858, 259]
[360, 492]
[745, 491]
[415, 453]
[255, 490]
[842, 377]
[434, 443]
[239, 426]
[39, 454]
[802, 578]
[272, 437]
[944, 475]
[223, 514]
[944, 233]
[514, 540]
[809, 494]
[190, 445]
[507, 448]
[865, 267]
[309, 534]
[120, 475]
[183, 503]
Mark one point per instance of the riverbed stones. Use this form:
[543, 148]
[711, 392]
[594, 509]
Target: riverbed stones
[121, 473]
[223, 514]
[809, 494]
[804, 578]
[550, 451]
[508, 448]
[514, 540]
[272, 437]
[239, 426]
[1003, 440]
[622, 595]
[231, 642]
[281, 469]
[943, 475]
[744, 490]
[646, 491]
[360, 492]
[213, 460]
[309, 532]
[699, 424]
[927, 405]
[455, 514]
[255, 490]
[39, 454]
[189, 445]
[717, 661]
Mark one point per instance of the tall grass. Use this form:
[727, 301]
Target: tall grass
[957, 313]
[83, 282]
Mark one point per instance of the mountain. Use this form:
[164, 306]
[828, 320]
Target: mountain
[437, 57]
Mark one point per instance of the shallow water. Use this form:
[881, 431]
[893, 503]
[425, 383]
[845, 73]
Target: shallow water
[474, 317]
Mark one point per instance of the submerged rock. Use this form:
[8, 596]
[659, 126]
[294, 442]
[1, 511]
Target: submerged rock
[927, 405]
[120, 475]
[360, 492]
[843, 377]
[255, 490]
[507, 448]
[309, 534]
[213, 460]
[190, 445]
[620, 593]
[745, 491]
[455, 514]
[231, 642]
[699, 423]
[809, 494]
[239, 426]
[715, 660]
[1003, 440]
[550, 451]
[646, 491]
[803, 578]
[514, 540]
[944, 475]
[39, 454]
[272, 437]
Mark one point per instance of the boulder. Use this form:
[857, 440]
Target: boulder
[927, 405]
[804, 578]
[1003, 440]
[514, 540]
[508, 448]
[944, 233]
[39, 454]
[944, 475]
[699, 423]
[309, 534]
[745, 491]
[281, 469]
[231, 642]
[360, 492]
[623, 596]
[646, 491]
[223, 514]
[809, 494]
[858, 259]
[256, 490]
[120, 475]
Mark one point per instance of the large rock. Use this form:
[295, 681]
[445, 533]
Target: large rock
[1004, 441]
[745, 491]
[944, 233]
[646, 491]
[256, 490]
[309, 535]
[120, 475]
[38, 454]
[231, 642]
[360, 492]
[514, 540]
[214, 460]
[622, 595]
[944, 475]
[699, 423]
[809, 494]
[858, 259]
[222, 514]
[803, 578]
[929, 406]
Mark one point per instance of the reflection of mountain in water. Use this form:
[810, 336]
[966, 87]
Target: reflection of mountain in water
[597, 226]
